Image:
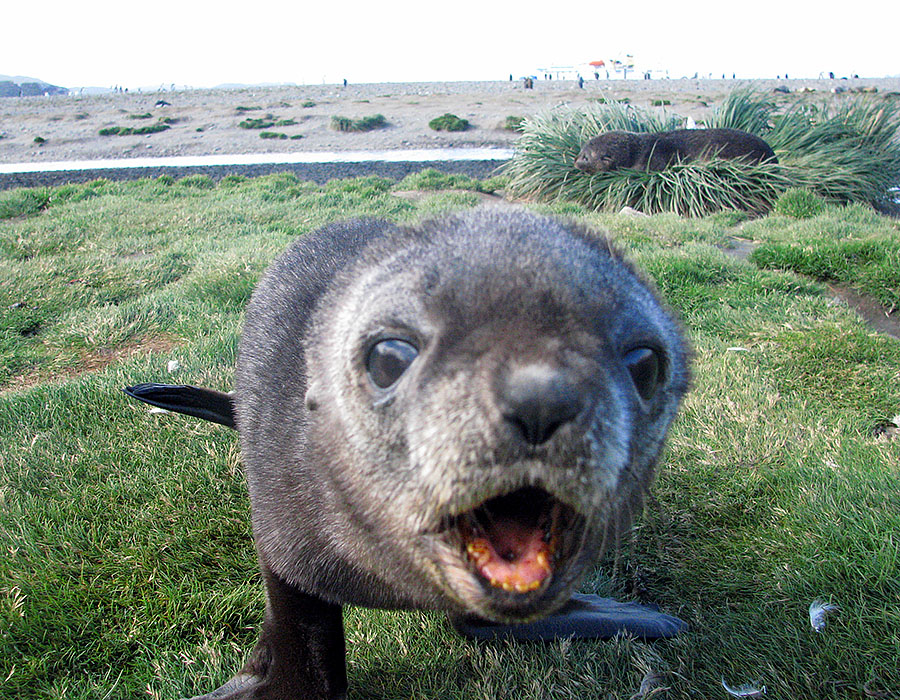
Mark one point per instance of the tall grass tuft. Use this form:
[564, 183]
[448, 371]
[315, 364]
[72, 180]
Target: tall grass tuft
[743, 109]
[848, 152]
[368, 123]
[542, 167]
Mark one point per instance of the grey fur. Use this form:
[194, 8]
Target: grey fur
[655, 151]
[351, 485]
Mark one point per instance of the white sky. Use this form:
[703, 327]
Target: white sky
[202, 44]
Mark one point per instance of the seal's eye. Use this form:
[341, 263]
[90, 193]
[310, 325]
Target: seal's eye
[644, 365]
[388, 359]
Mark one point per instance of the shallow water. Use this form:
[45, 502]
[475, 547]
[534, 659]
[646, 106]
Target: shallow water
[393, 156]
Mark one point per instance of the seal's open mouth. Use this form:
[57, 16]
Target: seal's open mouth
[516, 541]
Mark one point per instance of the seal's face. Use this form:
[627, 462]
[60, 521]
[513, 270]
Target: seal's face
[609, 151]
[503, 392]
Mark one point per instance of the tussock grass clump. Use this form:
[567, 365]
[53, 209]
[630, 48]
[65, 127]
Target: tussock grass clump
[279, 135]
[743, 109]
[513, 123]
[132, 131]
[843, 152]
[375, 121]
[448, 122]
[145, 115]
[846, 152]
[263, 123]
[799, 203]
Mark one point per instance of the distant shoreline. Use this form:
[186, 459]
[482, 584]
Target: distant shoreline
[94, 90]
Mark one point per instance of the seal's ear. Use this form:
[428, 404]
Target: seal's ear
[214, 406]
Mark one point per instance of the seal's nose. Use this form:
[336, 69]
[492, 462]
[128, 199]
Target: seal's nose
[538, 400]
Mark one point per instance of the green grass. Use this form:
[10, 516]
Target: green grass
[134, 131]
[843, 151]
[850, 245]
[374, 121]
[448, 122]
[799, 203]
[513, 123]
[263, 123]
[128, 568]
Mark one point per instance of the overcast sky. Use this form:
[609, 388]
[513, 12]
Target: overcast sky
[202, 44]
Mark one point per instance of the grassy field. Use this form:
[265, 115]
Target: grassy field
[127, 568]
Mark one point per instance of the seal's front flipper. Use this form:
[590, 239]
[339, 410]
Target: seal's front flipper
[242, 683]
[214, 406]
[583, 617]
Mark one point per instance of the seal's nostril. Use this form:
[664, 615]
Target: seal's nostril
[538, 400]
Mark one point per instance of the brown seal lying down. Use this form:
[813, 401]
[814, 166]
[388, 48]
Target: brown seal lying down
[655, 151]
[455, 416]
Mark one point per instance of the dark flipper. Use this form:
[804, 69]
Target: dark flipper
[242, 684]
[583, 617]
[214, 406]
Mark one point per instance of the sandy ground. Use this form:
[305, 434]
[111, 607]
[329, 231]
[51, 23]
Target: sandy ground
[205, 122]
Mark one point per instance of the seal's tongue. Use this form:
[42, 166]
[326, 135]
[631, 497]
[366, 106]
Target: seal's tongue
[512, 555]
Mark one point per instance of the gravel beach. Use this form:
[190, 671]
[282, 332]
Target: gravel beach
[206, 122]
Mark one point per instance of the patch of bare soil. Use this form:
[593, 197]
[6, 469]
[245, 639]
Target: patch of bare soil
[92, 361]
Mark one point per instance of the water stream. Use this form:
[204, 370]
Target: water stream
[420, 155]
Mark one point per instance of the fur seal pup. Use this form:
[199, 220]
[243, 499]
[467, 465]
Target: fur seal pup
[454, 416]
[655, 151]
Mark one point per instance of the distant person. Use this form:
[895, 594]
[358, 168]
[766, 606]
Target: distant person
[345, 82]
[831, 75]
[510, 77]
[580, 83]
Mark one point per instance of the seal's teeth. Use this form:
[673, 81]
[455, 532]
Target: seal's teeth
[479, 552]
[519, 586]
[525, 587]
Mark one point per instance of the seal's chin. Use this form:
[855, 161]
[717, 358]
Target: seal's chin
[515, 544]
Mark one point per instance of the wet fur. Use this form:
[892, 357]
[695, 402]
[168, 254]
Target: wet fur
[614, 150]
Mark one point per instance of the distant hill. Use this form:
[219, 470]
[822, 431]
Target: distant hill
[22, 86]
